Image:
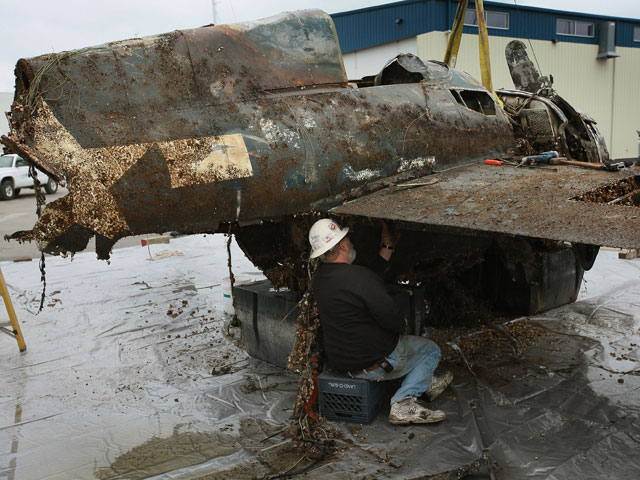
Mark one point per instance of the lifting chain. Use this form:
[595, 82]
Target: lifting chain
[307, 352]
[40, 202]
[235, 322]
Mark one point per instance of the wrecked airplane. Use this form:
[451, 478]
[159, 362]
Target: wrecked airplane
[252, 128]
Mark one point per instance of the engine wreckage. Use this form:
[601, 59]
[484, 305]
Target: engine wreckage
[255, 128]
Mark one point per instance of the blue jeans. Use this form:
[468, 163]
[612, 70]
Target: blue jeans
[415, 357]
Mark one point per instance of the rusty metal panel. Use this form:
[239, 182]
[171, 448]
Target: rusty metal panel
[290, 151]
[168, 86]
[236, 123]
[569, 204]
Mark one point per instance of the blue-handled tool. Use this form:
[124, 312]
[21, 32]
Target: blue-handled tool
[543, 157]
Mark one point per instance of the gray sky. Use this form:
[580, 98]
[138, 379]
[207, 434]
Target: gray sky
[35, 27]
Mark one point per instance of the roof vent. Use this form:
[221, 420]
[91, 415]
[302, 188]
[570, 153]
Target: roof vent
[607, 48]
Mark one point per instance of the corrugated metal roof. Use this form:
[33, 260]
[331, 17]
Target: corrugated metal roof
[367, 27]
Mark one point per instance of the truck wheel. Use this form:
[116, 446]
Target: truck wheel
[51, 186]
[6, 190]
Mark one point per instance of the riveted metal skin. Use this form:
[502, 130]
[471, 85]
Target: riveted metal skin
[237, 123]
[250, 127]
[561, 205]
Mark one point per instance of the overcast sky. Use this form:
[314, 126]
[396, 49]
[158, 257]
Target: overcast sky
[35, 27]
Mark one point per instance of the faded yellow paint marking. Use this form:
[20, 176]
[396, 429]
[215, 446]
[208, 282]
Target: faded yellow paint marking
[206, 159]
[228, 159]
[91, 172]
[88, 172]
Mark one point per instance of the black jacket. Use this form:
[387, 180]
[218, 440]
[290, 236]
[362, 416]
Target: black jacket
[360, 321]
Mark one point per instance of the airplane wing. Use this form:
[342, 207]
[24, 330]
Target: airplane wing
[569, 204]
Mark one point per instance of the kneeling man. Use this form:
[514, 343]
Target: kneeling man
[362, 326]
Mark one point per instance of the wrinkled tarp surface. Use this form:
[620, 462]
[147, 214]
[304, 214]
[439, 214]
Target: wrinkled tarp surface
[131, 372]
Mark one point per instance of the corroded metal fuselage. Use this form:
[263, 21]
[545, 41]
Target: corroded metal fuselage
[247, 128]
[193, 130]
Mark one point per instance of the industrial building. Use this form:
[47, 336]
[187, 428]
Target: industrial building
[5, 105]
[594, 60]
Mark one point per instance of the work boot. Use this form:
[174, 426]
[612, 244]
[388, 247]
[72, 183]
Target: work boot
[411, 410]
[438, 385]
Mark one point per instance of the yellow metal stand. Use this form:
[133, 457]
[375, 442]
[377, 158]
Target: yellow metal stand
[15, 332]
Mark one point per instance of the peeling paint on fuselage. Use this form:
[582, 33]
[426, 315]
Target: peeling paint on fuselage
[406, 165]
[359, 176]
[173, 152]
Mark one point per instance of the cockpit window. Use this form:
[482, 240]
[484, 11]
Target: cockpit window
[475, 100]
[409, 68]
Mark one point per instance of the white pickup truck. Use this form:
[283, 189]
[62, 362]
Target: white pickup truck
[14, 175]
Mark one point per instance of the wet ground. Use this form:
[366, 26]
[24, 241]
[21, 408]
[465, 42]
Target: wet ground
[131, 372]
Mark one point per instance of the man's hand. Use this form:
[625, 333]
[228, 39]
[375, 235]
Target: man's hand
[387, 242]
[387, 239]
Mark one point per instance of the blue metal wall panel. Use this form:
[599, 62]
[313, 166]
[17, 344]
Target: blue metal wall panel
[624, 34]
[374, 26]
[536, 26]
[371, 26]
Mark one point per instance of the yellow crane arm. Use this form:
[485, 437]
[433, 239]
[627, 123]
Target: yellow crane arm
[453, 44]
[483, 46]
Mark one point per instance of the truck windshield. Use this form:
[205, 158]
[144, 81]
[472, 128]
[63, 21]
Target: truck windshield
[5, 161]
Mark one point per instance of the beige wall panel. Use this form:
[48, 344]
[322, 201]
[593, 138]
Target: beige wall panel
[433, 45]
[583, 80]
[626, 103]
[370, 61]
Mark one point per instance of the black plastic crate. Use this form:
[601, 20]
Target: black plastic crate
[348, 399]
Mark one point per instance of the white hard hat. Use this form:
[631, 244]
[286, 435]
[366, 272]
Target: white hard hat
[324, 235]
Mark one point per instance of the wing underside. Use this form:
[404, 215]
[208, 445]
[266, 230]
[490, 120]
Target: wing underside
[564, 204]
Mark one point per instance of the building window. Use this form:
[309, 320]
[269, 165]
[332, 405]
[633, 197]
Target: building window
[493, 19]
[636, 34]
[574, 28]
